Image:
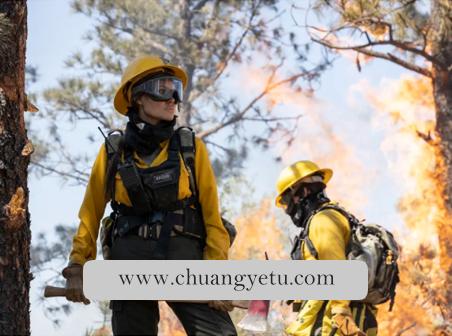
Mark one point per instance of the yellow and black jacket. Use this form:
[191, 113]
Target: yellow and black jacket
[95, 201]
[329, 232]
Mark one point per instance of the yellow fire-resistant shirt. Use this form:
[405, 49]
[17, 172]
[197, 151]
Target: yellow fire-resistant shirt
[329, 232]
[95, 201]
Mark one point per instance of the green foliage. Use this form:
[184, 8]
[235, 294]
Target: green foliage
[405, 32]
[408, 18]
[236, 188]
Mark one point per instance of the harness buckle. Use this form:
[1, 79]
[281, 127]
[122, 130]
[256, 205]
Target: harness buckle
[144, 231]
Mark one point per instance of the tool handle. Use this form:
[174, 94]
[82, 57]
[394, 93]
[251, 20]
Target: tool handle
[51, 291]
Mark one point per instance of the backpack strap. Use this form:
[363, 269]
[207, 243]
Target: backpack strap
[188, 150]
[352, 220]
[132, 182]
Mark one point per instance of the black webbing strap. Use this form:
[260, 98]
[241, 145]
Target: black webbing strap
[188, 150]
[318, 323]
[125, 224]
[173, 149]
[311, 247]
[132, 182]
[306, 238]
[161, 250]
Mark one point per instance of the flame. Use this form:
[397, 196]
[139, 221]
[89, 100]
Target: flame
[257, 233]
[317, 140]
[404, 109]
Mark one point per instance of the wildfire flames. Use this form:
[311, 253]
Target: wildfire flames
[403, 109]
[318, 141]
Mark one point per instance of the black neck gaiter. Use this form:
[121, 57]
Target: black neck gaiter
[303, 210]
[146, 139]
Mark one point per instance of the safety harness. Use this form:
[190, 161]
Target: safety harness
[156, 211]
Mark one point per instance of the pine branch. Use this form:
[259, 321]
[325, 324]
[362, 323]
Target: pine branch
[240, 115]
[387, 56]
[79, 178]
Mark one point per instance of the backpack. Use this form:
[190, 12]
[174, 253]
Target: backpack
[374, 245]
[187, 149]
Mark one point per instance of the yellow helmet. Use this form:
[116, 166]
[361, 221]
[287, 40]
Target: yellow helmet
[139, 68]
[297, 171]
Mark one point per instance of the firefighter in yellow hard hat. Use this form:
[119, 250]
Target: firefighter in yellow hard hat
[163, 193]
[301, 193]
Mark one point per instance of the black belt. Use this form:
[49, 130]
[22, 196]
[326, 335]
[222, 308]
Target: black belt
[184, 222]
[173, 207]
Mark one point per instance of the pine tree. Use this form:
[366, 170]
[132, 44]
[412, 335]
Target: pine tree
[14, 159]
[209, 39]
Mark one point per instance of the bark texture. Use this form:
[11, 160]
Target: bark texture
[442, 91]
[14, 159]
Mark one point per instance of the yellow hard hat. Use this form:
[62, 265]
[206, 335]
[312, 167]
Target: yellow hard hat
[139, 68]
[297, 171]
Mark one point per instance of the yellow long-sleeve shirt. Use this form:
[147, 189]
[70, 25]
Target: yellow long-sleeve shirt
[95, 201]
[329, 232]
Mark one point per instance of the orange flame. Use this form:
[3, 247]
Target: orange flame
[405, 109]
[318, 141]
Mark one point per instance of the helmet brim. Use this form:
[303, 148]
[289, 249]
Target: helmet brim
[121, 102]
[326, 174]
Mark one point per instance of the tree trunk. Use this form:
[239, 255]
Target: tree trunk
[14, 159]
[442, 91]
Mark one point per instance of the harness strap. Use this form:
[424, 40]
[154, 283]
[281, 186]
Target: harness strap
[178, 205]
[305, 234]
[160, 252]
[186, 222]
[132, 182]
[188, 150]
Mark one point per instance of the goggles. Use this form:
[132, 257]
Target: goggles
[298, 189]
[161, 88]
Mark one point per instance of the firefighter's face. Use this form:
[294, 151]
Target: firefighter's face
[295, 194]
[152, 111]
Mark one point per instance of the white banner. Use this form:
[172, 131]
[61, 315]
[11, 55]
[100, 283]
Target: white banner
[224, 280]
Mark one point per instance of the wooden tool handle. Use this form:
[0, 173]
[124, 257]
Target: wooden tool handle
[51, 291]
